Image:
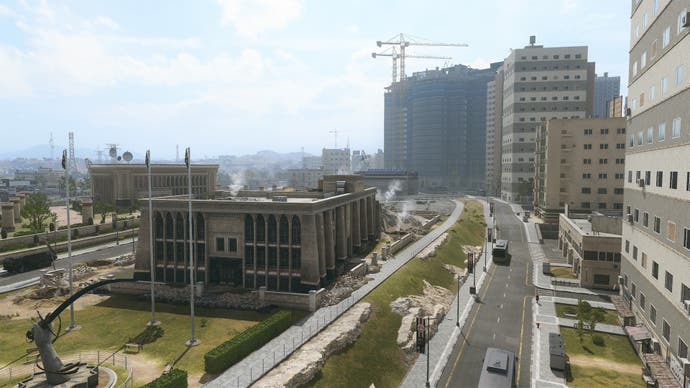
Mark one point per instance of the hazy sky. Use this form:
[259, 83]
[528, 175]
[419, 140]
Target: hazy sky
[238, 76]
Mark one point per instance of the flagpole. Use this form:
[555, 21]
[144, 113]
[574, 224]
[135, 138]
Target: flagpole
[153, 321]
[65, 166]
[192, 341]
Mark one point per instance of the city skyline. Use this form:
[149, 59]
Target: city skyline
[206, 75]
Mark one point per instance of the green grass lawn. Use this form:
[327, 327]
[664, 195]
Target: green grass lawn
[375, 356]
[562, 272]
[616, 347]
[110, 324]
[586, 377]
[610, 316]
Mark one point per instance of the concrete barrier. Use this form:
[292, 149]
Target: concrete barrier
[307, 302]
[359, 270]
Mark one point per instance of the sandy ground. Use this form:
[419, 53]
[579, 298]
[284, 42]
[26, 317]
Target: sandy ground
[596, 362]
[74, 217]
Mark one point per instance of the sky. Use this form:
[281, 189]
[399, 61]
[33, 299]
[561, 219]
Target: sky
[239, 76]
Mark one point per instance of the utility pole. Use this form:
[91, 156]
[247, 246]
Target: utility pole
[66, 166]
[153, 321]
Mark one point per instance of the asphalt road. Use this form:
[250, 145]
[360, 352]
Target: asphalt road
[503, 319]
[106, 251]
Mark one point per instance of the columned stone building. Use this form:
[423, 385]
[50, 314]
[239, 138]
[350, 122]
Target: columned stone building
[292, 241]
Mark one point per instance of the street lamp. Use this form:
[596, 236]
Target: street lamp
[192, 340]
[72, 326]
[457, 320]
[153, 321]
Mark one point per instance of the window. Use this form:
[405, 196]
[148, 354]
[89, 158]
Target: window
[657, 224]
[684, 293]
[587, 161]
[632, 141]
[666, 37]
[655, 270]
[618, 191]
[679, 26]
[663, 86]
[232, 245]
[682, 349]
[636, 215]
[627, 246]
[675, 129]
[620, 146]
[652, 93]
[634, 69]
[647, 177]
[603, 161]
[637, 176]
[588, 131]
[584, 205]
[643, 301]
[588, 146]
[668, 282]
[603, 146]
[602, 205]
[650, 135]
[662, 132]
[633, 290]
[643, 60]
[652, 314]
[645, 219]
[659, 179]
[586, 175]
[639, 138]
[220, 244]
[620, 131]
[604, 131]
[687, 181]
[630, 176]
[601, 190]
[634, 252]
[686, 238]
[586, 190]
[666, 330]
[673, 180]
[671, 231]
[655, 7]
[643, 260]
[603, 175]
[679, 75]
[645, 19]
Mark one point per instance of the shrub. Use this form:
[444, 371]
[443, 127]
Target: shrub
[230, 352]
[176, 378]
[598, 340]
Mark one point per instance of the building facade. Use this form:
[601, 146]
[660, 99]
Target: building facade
[123, 184]
[592, 246]
[336, 161]
[289, 241]
[494, 127]
[400, 182]
[616, 106]
[304, 178]
[605, 89]
[656, 234]
[437, 127]
[581, 163]
[539, 84]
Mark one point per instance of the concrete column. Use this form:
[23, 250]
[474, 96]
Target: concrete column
[310, 251]
[356, 226]
[8, 216]
[22, 199]
[87, 212]
[348, 229]
[321, 243]
[17, 209]
[372, 218]
[312, 300]
[329, 242]
[340, 236]
[364, 219]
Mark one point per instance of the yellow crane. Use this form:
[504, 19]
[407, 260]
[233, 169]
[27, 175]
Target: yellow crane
[395, 56]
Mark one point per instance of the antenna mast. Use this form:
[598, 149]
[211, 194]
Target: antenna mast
[72, 160]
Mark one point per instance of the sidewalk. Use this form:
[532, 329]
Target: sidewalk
[245, 372]
[442, 343]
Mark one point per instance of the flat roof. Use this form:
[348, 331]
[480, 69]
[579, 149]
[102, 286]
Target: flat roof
[585, 227]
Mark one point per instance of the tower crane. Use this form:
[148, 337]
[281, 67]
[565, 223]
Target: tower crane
[403, 42]
[395, 56]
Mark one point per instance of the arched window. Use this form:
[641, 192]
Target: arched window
[159, 226]
[260, 229]
[284, 230]
[296, 231]
[179, 224]
[272, 229]
[248, 229]
[168, 226]
[200, 226]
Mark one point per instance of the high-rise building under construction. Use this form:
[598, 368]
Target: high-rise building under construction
[435, 124]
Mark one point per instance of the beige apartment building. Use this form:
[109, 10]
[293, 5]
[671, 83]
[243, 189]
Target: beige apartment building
[581, 163]
[656, 233]
[593, 247]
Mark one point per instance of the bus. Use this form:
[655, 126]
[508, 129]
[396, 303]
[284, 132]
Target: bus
[498, 370]
[500, 251]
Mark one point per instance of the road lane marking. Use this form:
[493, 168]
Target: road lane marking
[500, 306]
[504, 294]
[498, 320]
[494, 336]
[469, 330]
[526, 274]
[522, 330]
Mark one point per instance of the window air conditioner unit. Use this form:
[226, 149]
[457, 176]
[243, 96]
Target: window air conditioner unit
[686, 303]
[656, 347]
[685, 19]
[630, 218]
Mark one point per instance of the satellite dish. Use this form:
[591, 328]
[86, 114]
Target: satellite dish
[112, 152]
[127, 156]
[119, 158]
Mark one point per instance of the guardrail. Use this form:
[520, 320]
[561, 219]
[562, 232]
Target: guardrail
[28, 368]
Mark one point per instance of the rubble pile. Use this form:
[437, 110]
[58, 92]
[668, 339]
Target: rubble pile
[395, 222]
[124, 260]
[342, 288]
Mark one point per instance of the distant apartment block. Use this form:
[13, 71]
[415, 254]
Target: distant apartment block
[123, 184]
[656, 234]
[593, 247]
[539, 84]
[312, 162]
[616, 107]
[436, 125]
[336, 161]
[401, 182]
[494, 127]
[579, 163]
[605, 89]
[304, 178]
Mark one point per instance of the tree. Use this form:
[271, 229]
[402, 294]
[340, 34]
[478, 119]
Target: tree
[596, 315]
[583, 312]
[85, 184]
[103, 208]
[37, 211]
[72, 185]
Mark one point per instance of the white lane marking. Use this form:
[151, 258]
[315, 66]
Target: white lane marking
[494, 336]
[504, 294]
[500, 306]
[498, 320]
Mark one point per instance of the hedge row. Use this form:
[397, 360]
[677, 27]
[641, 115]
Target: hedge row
[176, 378]
[230, 352]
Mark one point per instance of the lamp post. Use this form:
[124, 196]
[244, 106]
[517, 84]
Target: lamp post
[153, 321]
[457, 320]
[192, 340]
[65, 166]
